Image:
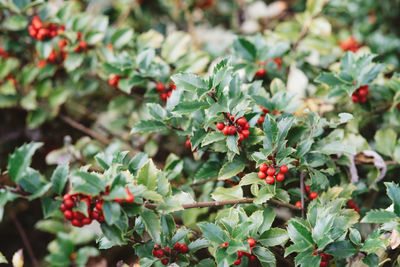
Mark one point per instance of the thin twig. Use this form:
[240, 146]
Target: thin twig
[302, 193]
[24, 238]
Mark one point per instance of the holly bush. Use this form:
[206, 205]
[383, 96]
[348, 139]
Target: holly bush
[200, 133]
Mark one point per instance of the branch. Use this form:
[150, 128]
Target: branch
[24, 238]
[222, 203]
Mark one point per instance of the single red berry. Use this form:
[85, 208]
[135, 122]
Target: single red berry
[220, 126]
[271, 171]
[237, 262]
[86, 221]
[324, 264]
[63, 207]
[263, 167]
[225, 245]
[160, 87]
[307, 189]
[280, 177]
[232, 130]
[164, 261]
[67, 196]
[101, 218]
[99, 205]
[313, 195]
[76, 223]
[188, 144]
[232, 118]
[251, 242]
[298, 204]
[261, 120]
[68, 214]
[130, 197]
[69, 203]
[260, 73]
[95, 215]
[252, 258]
[78, 215]
[177, 246]
[240, 254]
[184, 248]
[172, 85]
[354, 98]
[226, 130]
[283, 169]
[247, 126]
[241, 137]
[262, 175]
[242, 121]
[270, 179]
[36, 22]
[246, 133]
[159, 253]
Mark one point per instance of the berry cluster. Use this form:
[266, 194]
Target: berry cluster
[114, 80]
[240, 253]
[352, 205]
[261, 72]
[40, 32]
[94, 204]
[240, 126]
[53, 58]
[360, 95]
[160, 252]
[312, 195]
[350, 44]
[82, 45]
[265, 111]
[165, 92]
[325, 258]
[269, 173]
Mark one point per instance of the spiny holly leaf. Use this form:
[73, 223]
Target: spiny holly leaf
[230, 169]
[341, 249]
[20, 160]
[152, 224]
[379, 216]
[227, 193]
[189, 81]
[213, 233]
[59, 178]
[149, 126]
[393, 191]
[273, 237]
[147, 175]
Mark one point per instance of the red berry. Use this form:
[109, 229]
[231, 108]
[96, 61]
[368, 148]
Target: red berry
[251, 242]
[237, 262]
[63, 207]
[114, 79]
[130, 197]
[307, 188]
[160, 87]
[99, 205]
[184, 248]
[241, 137]
[323, 264]
[188, 144]
[101, 218]
[264, 167]
[240, 254]
[246, 133]
[37, 23]
[177, 246]
[270, 179]
[260, 73]
[247, 126]
[262, 175]
[68, 214]
[172, 85]
[225, 245]
[69, 203]
[164, 261]
[62, 43]
[158, 253]
[261, 120]
[313, 195]
[226, 130]
[242, 121]
[271, 171]
[78, 35]
[52, 56]
[298, 204]
[82, 44]
[78, 215]
[76, 223]
[86, 221]
[280, 177]
[232, 118]
[354, 98]
[252, 258]
[232, 130]
[220, 126]
[283, 169]
[95, 215]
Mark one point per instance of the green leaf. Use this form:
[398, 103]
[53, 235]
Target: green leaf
[73, 61]
[355, 236]
[121, 37]
[189, 107]
[337, 147]
[274, 237]
[245, 49]
[207, 170]
[198, 244]
[156, 111]
[385, 141]
[264, 255]
[189, 81]
[5, 196]
[379, 216]
[91, 180]
[315, 6]
[149, 126]
[15, 23]
[329, 79]
[271, 129]
[268, 218]
[147, 175]
[20, 160]
[298, 232]
[212, 137]
[175, 46]
[232, 143]
[393, 191]
[230, 169]
[112, 212]
[152, 224]
[59, 178]
[50, 226]
[341, 249]
[251, 178]
[222, 193]
[213, 233]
